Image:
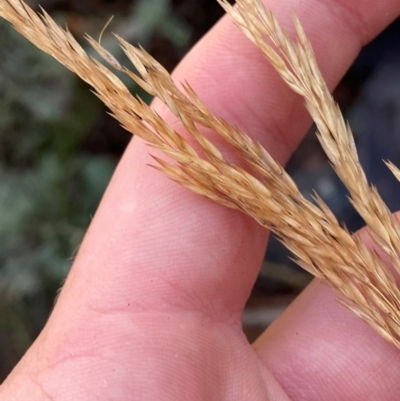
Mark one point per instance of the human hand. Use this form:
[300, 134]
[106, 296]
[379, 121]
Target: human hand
[152, 307]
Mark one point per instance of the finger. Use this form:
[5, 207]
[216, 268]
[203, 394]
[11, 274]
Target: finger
[319, 342]
[151, 238]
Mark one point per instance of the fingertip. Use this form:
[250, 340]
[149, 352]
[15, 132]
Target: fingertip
[319, 342]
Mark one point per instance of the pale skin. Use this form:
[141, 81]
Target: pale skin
[151, 309]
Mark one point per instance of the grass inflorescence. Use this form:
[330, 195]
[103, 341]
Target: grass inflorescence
[263, 190]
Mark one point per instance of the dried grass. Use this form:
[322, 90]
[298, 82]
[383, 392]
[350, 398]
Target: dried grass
[311, 232]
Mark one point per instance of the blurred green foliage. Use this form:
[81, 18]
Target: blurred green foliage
[50, 179]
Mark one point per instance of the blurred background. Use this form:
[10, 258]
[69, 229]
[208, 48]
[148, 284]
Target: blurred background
[58, 150]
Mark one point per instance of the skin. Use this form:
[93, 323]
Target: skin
[151, 309]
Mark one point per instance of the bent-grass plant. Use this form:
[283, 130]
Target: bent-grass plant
[320, 244]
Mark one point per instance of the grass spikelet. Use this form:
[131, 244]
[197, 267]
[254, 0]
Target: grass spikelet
[320, 244]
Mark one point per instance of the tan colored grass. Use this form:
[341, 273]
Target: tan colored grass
[312, 233]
